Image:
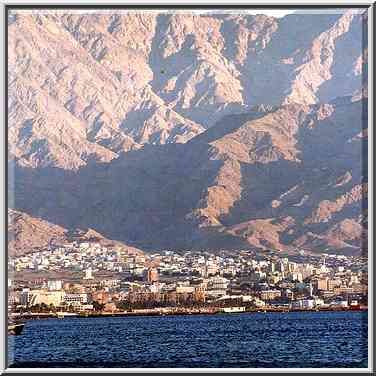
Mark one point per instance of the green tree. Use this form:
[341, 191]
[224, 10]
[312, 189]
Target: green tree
[97, 306]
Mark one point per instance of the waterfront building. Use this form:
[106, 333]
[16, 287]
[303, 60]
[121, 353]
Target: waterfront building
[25, 296]
[343, 290]
[288, 294]
[54, 285]
[84, 307]
[318, 302]
[296, 304]
[217, 286]
[270, 294]
[74, 299]
[218, 283]
[340, 303]
[199, 294]
[258, 302]
[303, 304]
[13, 298]
[310, 289]
[154, 288]
[185, 289]
[334, 283]
[34, 297]
[307, 303]
[321, 284]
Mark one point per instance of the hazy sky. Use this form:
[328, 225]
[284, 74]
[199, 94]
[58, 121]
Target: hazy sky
[273, 13]
[268, 12]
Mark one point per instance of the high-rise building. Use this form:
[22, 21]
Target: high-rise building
[297, 276]
[89, 274]
[292, 267]
[270, 294]
[288, 294]
[310, 289]
[152, 275]
[321, 284]
[54, 285]
[334, 283]
[281, 267]
[272, 267]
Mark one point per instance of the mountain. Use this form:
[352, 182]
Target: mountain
[288, 177]
[27, 234]
[89, 86]
[182, 130]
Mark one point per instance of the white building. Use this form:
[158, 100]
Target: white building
[76, 299]
[34, 297]
[54, 285]
[89, 274]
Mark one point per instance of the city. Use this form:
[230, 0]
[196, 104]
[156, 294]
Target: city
[111, 280]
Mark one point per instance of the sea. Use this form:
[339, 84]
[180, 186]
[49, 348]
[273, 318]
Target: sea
[251, 340]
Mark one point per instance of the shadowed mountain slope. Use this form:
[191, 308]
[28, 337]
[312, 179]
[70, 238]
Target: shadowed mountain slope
[279, 177]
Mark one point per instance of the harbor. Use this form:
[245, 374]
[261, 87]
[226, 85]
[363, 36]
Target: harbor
[180, 311]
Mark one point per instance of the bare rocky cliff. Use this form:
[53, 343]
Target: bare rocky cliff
[284, 178]
[88, 86]
[27, 234]
[190, 130]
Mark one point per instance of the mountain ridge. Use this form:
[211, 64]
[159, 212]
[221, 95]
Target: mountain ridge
[110, 83]
[250, 170]
[191, 130]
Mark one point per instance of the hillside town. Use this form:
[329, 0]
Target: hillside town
[105, 279]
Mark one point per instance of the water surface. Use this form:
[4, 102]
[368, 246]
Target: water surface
[295, 339]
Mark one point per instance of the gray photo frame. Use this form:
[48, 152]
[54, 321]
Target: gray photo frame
[188, 187]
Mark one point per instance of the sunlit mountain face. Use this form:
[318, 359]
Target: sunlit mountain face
[180, 130]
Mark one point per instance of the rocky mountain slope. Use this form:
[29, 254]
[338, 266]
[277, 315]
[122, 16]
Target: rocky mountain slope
[189, 130]
[289, 178]
[27, 234]
[87, 86]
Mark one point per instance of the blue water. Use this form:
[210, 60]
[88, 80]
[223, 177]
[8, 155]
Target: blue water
[317, 339]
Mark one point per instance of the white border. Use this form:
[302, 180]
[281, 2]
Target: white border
[188, 370]
[3, 260]
[371, 256]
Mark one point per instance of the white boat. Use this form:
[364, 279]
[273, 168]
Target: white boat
[61, 315]
[233, 309]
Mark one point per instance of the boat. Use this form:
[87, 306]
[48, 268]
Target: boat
[354, 305]
[15, 328]
[233, 309]
[61, 315]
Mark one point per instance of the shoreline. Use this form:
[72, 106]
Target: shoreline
[164, 312]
